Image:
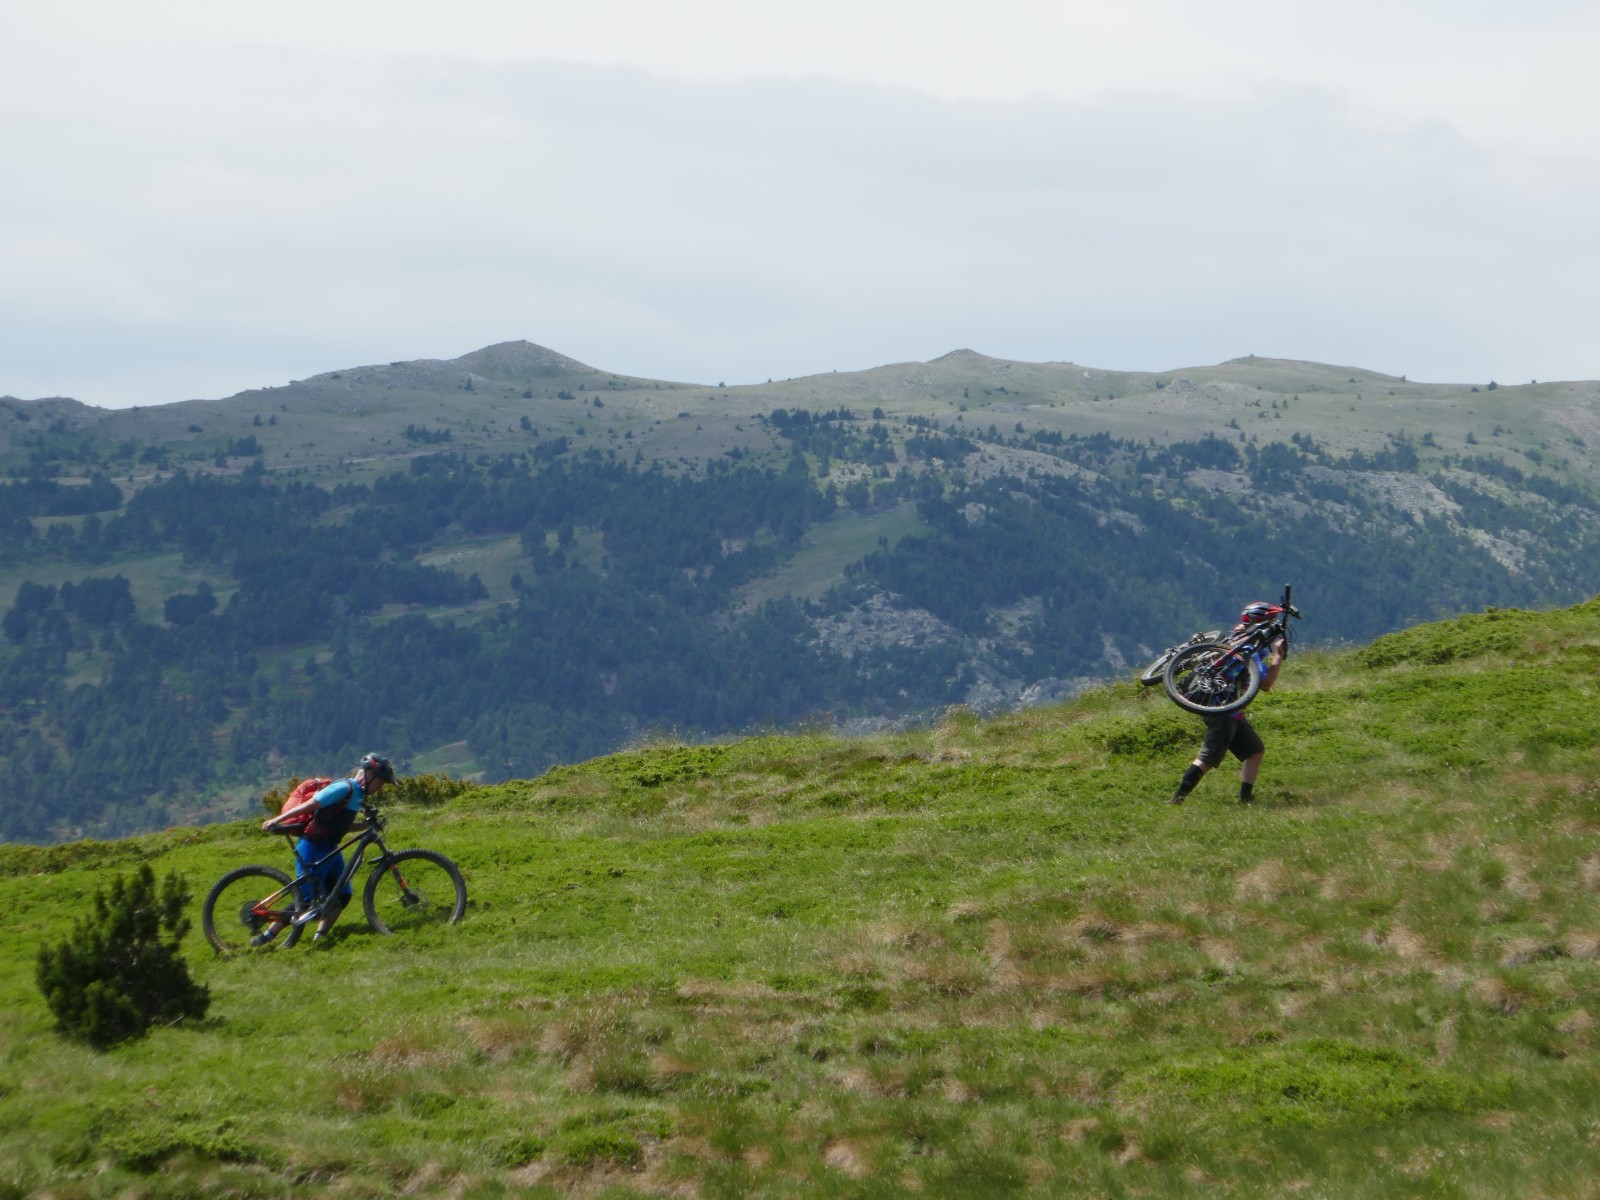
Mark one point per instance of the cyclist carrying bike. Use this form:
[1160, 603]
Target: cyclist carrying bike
[1233, 731]
[316, 861]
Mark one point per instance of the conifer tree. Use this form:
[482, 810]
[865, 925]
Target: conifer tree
[120, 970]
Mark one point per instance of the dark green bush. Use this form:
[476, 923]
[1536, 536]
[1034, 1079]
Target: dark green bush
[120, 969]
[144, 1143]
[273, 800]
[427, 789]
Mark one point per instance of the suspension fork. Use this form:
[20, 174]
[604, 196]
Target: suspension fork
[383, 859]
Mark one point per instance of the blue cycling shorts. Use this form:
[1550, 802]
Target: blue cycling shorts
[306, 853]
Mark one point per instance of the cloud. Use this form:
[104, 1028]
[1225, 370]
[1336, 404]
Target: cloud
[304, 212]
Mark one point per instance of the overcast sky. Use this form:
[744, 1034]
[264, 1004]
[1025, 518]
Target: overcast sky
[198, 198]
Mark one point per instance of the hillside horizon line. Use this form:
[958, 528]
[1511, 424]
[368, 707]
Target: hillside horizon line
[522, 354]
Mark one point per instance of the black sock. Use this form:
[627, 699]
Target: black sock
[1190, 777]
[1246, 792]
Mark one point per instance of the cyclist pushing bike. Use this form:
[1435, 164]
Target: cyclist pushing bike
[318, 862]
[1232, 731]
[411, 891]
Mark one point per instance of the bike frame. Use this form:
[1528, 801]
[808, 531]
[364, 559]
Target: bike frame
[1252, 642]
[1256, 639]
[371, 834]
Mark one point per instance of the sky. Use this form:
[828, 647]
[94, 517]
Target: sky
[201, 198]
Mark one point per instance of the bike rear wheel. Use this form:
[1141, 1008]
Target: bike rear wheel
[414, 889]
[1211, 680]
[244, 904]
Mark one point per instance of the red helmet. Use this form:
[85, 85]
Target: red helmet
[1257, 611]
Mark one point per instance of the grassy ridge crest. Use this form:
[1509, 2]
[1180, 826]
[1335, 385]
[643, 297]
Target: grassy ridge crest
[983, 958]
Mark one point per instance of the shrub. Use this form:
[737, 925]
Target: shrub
[426, 789]
[120, 970]
[273, 800]
[144, 1143]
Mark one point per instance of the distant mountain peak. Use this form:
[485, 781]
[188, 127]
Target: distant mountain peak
[520, 356]
[965, 356]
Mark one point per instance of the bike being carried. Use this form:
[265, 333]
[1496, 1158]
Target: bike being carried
[252, 906]
[1215, 675]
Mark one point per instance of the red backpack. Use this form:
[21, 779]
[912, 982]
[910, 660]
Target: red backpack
[303, 792]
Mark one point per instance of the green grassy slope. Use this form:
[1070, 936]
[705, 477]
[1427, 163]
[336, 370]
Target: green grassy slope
[828, 550]
[984, 959]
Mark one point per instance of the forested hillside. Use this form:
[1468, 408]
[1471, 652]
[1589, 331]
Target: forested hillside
[191, 618]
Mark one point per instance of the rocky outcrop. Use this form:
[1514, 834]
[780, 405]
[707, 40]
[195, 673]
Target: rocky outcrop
[878, 622]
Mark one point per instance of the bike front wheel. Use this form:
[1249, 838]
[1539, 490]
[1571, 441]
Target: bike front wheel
[1211, 679]
[1156, 671]
[247, 903]
[414, 889]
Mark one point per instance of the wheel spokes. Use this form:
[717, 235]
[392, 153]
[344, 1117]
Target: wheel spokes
[419, 895]
[246, 908]
[1205, 680]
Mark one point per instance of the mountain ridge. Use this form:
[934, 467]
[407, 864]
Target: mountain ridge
[521, 355]
[513, 380]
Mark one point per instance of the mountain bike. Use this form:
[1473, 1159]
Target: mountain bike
[406, 889]
[1157, 669]
[1221, 675]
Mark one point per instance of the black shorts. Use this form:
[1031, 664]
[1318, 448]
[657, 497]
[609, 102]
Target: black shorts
[1229, 733]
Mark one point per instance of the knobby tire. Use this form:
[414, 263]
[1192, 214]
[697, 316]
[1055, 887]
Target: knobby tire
[1156, 671]
[224, 917]
[414, 889]
[1192, 687]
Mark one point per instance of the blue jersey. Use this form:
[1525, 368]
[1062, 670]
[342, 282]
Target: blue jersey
[312, 854]
[341, 791]
[1261, 661]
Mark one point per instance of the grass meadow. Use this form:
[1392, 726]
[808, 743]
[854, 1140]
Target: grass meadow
[982, 959]
[830, 548]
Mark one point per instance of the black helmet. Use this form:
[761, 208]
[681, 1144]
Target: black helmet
[379, 766]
